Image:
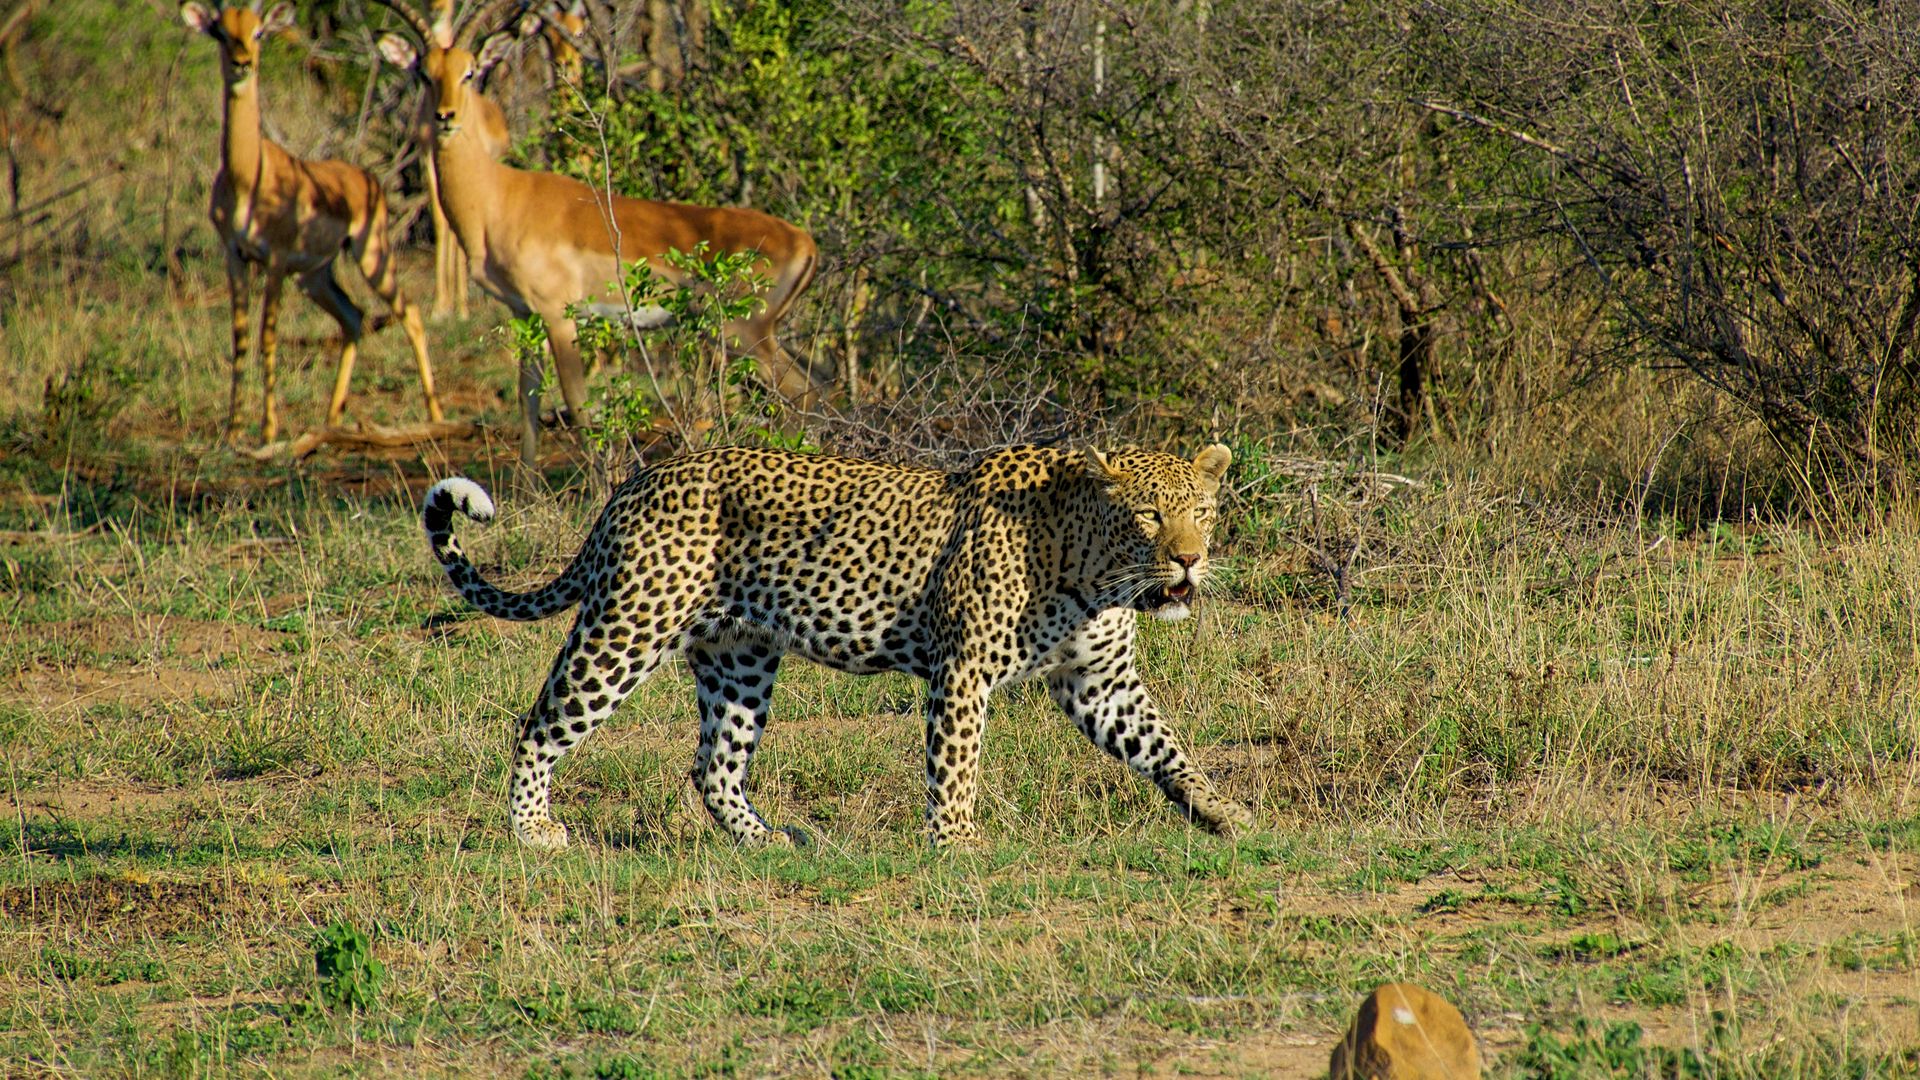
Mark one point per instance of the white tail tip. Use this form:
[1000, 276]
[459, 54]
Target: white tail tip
[470, 497]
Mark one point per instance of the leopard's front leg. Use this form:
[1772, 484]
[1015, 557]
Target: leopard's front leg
[1100, 690]
[956, 723]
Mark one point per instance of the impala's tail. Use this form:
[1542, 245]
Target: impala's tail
[436, 514]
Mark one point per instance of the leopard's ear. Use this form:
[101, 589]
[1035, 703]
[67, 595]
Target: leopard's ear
[1212, 463]
[1099, 468]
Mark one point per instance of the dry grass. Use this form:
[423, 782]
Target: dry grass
[1561, 770]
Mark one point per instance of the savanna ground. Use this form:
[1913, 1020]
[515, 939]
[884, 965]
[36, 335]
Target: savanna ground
[1635, 788]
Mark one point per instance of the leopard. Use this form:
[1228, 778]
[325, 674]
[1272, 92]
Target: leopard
[1035, 561]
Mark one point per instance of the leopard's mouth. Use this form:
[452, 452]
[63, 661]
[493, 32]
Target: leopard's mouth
[1167, 600]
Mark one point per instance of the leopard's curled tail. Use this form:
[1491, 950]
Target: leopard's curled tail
[436, 515]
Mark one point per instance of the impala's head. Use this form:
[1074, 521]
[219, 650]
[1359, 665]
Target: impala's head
[561, 25]
[239, 30]
[1159, 511]
[452, 75]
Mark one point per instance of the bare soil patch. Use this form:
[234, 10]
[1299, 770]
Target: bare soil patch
[168, 660]
[154, 906]
[103, 802]
[80, 688]
[1268, 1051]
[182, 638]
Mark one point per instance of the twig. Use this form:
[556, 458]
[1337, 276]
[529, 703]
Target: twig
[1620, 173]
[1340, 570]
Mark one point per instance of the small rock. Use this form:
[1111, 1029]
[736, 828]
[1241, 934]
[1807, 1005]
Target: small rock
[1405, 1033]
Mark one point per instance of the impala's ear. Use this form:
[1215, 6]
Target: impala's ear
[278, 18]
[1098, 467]
[198, 18]
[492, 51]
[530, 24]
[1212, 463]
[399, 52]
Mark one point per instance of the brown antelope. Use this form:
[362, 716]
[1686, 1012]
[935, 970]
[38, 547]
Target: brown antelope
[561, 26]
[490, 123]
[292, 217]
[539, 242]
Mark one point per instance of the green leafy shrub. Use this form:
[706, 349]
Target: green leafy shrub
[349, 974]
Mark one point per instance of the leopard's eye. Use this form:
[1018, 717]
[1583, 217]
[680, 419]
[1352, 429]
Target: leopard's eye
[1148, 516]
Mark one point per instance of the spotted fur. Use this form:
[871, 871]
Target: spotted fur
[1033, 562]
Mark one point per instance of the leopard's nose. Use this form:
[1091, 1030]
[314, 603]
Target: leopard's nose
[1185, 560]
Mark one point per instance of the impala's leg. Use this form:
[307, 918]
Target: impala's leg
[239, 293]
[1102, 693]
[735, 687]
[783, 371]
[530, 401]
[376, 262]
[269, 345]
[956, 721]
[561, 340]
[611, 651]
[320, 286]
[567, 369]
[793, 378]
[786, 374]
[457, 271]
[447, 273]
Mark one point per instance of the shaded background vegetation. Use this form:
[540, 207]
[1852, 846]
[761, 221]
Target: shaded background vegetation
[1396, 220]
[1567, 242]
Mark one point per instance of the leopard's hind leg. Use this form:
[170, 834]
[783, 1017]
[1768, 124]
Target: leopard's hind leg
[608, 654]
[734, 682]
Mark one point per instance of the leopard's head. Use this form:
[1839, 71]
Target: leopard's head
[1159, 511]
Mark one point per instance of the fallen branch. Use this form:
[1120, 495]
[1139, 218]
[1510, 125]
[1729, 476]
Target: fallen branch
[364, 436]
[18, 537]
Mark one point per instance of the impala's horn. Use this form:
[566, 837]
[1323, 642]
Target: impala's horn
[412, 18]
[486, 15]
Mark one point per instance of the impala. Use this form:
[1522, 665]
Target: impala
[449, 277]
[292, 217]
[559, 28]
[539, 242]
